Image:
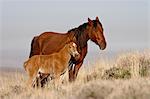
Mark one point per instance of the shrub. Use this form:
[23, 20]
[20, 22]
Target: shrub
[116, 73]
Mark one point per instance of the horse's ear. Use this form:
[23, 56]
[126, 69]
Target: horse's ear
[97, 18]
[89, 21]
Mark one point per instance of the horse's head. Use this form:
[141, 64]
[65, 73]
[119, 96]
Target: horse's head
[73, 50]
[96, 33]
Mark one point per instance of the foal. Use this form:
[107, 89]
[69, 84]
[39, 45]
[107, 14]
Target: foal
[54, 64]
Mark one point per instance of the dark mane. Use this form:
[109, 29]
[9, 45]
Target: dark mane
[80, 34]
[80, 28]
[84, 25]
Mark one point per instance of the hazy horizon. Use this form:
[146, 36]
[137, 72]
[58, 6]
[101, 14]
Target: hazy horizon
[126, 24]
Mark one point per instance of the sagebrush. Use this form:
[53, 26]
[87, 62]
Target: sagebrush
[126, 77]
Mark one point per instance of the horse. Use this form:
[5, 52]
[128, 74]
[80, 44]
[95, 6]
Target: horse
[54, 64]
[50, 42]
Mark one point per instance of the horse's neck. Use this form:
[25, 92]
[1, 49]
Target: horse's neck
[82, 38]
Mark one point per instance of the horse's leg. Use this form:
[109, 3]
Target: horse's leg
[73, 72]
[76, 70]
[70, 72]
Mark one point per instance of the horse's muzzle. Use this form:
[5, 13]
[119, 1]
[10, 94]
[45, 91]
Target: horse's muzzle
[102, 45]
[77, 56]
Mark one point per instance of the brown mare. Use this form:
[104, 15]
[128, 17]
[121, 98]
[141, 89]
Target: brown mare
[50, 42]
[54, 64]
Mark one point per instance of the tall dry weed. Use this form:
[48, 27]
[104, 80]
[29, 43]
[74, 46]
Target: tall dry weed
[125, 77]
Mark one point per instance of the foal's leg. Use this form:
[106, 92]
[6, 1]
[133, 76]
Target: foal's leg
[44, 79]
[32, 81]
[36, 82]
[29, 82]
[57, 81]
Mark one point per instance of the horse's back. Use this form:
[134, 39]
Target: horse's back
[51, 42]
[50, 35]
[48, 43]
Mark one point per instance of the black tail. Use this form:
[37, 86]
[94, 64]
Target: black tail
[34, 47]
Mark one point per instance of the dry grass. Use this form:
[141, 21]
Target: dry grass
[126, 77]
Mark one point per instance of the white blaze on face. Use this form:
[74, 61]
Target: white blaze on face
[75, 52]
[74, 45]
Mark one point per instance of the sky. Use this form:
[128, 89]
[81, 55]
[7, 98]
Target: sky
[126, 24]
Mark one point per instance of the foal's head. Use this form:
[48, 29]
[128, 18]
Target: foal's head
[73, 50]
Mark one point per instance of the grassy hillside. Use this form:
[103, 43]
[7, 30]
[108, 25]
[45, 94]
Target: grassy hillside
[125, 77]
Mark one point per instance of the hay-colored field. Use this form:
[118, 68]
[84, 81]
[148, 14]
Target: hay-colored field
[125, 77]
